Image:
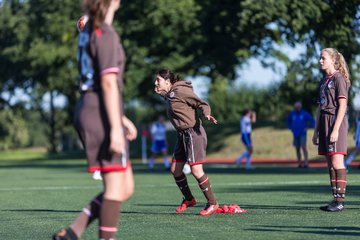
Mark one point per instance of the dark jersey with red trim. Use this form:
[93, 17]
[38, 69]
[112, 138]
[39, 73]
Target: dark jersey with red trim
[331, 89]
[99, 53]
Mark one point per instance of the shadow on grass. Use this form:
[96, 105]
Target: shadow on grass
[333, 231]
[322, 189]
[40, 210]
[322, 203]
[264, 169]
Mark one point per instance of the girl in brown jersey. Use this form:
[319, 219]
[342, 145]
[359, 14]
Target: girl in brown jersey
[190, 148]
[330, 133]
[100, 120]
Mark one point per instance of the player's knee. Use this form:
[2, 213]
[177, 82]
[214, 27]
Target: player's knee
[176, 170]
[197, 172]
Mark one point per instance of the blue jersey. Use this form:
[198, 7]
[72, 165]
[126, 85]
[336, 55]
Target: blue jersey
[357, 133]
[298, 121]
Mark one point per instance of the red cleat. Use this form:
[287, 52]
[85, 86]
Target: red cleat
[185, 204]
[209, 209]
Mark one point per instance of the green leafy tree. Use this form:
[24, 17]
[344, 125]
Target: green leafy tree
[13, 131]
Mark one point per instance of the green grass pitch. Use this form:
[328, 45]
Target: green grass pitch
[40, 196]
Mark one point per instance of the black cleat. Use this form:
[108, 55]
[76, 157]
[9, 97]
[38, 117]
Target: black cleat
[325, 208]
[65, 234]
[333, 207]
[337, 207]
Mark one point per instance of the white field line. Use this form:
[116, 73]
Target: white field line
[65, 188]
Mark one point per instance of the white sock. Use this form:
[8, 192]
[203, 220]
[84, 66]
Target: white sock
[166, 162]
[248, 161]
[152, 163]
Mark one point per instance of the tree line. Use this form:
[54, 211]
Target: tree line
[213, 39]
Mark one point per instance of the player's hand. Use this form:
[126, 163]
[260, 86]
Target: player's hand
[334, 136]
[131, 131]
[117, 141]
[211, 119]
[315, 138]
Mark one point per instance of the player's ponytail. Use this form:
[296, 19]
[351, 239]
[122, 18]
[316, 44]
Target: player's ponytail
[339, 62]
[343, 67]
[96, 9]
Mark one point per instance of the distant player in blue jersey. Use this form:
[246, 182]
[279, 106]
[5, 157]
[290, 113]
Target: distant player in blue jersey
[298, 121]
[159, 144]
[246, 121]
[351, 157]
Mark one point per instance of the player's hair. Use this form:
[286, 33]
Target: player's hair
[168, 74]
[245, 111]
[96, 9]
[340, 63]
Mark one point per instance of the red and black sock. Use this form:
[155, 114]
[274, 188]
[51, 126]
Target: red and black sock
[204, 184]
[340, 185]
[109, 218]
[332, 175]
[181, 182]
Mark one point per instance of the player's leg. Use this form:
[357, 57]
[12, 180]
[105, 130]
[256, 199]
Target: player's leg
[152, 160]
[304, 150]
[241, 157]
[341, 180]
[196, 148]
[182, 183]
[88, 215]
[205, 186]
[154, 152]
[166, 159]
[305, 153]
[92, 210]
[248, 165]
[332, 178]
[119, 186]
[245, 153]
[178, 162]
[297, 145]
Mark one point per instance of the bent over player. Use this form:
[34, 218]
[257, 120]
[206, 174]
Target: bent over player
[190, 148]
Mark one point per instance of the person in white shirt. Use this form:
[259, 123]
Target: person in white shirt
[159, 143]
[246, 121]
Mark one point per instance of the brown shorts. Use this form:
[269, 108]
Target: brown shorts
[326, 123]
[93, 128]
[191, 146]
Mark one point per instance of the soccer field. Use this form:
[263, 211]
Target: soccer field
[40, 196]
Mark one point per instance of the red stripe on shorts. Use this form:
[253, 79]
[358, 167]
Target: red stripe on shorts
[332, 153]
[111, 168]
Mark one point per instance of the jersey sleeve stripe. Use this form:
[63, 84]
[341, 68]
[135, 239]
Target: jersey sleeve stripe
[110, 70]
[342, 97]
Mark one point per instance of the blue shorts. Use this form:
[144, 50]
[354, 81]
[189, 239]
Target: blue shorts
[246, 139]
[158, 146]
[299, 141]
